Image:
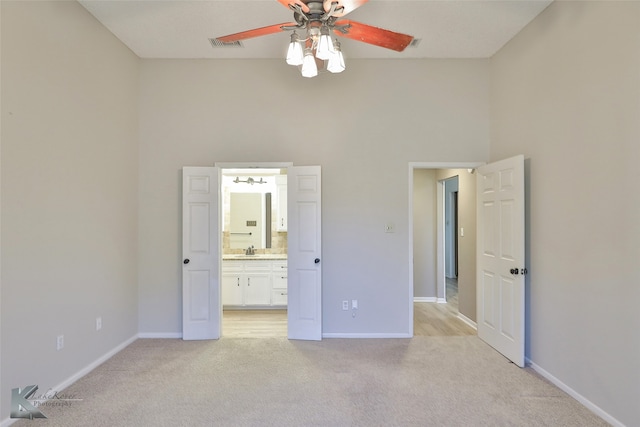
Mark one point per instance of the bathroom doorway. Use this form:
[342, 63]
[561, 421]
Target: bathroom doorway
[254, 252]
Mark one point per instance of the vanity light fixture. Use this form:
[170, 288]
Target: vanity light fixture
[249, 180]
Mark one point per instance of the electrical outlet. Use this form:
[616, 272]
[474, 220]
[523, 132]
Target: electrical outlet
[345, 305]
[98, 323]
[60, 342]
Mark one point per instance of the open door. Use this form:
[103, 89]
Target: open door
[201, 313]
[500, 257]
[304, 247]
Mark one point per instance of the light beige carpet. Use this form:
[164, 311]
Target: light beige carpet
[424, 381]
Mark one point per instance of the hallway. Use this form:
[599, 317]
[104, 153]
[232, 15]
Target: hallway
[440, 320]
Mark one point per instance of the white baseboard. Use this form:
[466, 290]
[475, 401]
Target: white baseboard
[360, 335]
[425, 299]
[430, 299]
[160, 335]
[468, 321]
[99, 361]
[81, 373]
[571, 392]
[8, 421]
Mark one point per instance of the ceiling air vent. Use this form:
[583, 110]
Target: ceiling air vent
[217, 43]
[415, 42]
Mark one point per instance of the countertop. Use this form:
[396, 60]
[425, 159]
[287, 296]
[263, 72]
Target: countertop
[256, 257]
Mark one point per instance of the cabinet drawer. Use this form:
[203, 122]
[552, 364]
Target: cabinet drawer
[279, 297]
[279, 280]
[280, 266]
[261, 266]
[232, 266]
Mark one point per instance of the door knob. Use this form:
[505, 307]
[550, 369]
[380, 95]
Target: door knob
[186, 261]
[317, 260]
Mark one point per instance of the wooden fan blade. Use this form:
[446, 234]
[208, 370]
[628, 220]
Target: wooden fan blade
[287, 3]
[256, 32]
[372, 35]
[347, 5]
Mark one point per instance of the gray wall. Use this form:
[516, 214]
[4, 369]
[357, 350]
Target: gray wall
[69, 193]
[566, 94]
[363, 127]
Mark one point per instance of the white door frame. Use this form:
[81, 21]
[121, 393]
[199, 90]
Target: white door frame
[253, 165]
[450, 247]
[440, 271]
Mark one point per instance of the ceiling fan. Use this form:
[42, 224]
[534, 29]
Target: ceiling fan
[320, 18]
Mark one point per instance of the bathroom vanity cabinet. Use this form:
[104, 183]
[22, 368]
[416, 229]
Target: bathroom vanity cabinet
[254, 283]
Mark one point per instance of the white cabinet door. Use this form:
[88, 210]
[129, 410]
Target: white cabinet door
[304, 242]
[232, 289]
[201, 312]
[258, 289]
[257, 282]
[500, 257]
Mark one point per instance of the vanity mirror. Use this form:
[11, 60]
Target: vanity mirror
[254, 201]
[249, 220]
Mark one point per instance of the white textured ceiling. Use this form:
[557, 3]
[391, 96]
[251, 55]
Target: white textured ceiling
[182, 28]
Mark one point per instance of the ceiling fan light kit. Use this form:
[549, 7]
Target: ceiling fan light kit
[309, 67]
[324, 50]
[295, 54]
[319, 19]
[336, 61]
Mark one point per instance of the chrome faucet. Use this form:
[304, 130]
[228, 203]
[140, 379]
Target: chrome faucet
[250, 251]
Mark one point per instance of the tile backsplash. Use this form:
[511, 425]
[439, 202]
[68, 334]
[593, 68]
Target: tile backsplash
[278, 244]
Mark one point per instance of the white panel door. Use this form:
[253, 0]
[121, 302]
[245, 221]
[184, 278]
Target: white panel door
[201, 312]
[304, 243]
[500, 257]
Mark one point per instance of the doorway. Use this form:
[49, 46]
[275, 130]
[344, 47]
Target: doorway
[432, 267]
[202, 305]
[254, 252]
[451, 227]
